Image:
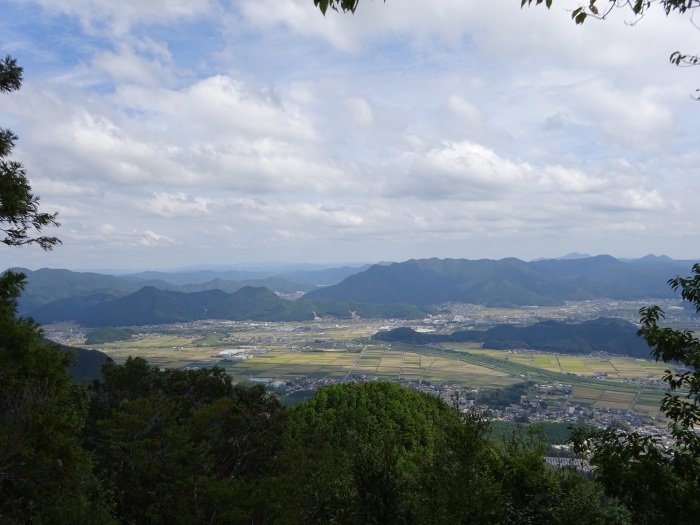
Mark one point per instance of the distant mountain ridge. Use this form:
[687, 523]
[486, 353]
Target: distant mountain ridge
[47, 285]
[383, 290]
[507, 282]
[151, 306]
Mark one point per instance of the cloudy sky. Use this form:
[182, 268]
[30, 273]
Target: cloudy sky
[169, 133]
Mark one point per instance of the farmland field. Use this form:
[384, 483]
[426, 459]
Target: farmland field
[336, 351]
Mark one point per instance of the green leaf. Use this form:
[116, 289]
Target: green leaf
[322, 5]
[580, 18]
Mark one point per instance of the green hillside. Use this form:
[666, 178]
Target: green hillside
[614, 336]
[502, 283]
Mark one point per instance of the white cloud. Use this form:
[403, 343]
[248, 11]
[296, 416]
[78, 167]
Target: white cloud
[278, 133]
[176, 205]
[465, 110]
[120, 17]
[127, 65]
[361, 111]
[151, 238]
[107, 229]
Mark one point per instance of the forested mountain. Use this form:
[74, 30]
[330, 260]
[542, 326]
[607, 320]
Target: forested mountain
[614, 336]
[148, 298]
[48, 285]
[506, 282]
[150, 306]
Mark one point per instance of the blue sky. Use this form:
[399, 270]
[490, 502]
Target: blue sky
[170, 133]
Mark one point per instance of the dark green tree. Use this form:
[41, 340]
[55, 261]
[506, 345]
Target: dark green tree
[659, 483]
[20, 218]
[184, 446]
[357, 452]
[45, 474]
[379, 453]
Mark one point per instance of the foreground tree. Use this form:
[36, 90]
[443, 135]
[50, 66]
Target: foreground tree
[45, 474]
[660, 484]
[361, 453]
[184, 446]
[20, 218]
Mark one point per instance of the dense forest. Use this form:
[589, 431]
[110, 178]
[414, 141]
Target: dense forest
[142, 445]
[151, 446]
[147, 446]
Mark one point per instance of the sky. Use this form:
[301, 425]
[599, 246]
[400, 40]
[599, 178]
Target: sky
[174, 133]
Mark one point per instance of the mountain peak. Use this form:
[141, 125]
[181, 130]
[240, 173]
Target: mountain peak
[574, 255]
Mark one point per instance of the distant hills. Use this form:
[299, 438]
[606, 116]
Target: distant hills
[613, 336]
[508, 282]
[402, 290]
[151, 306]
[47, 285]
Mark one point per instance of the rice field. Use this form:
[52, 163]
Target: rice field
[376, 362]
[292, 351]
[585, 366]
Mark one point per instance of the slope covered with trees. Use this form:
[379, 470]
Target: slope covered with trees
[614, 336]
[502, 283]
[151, 306]
[189, 447]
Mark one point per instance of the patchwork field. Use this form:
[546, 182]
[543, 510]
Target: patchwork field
[316, 351]
[585, 366]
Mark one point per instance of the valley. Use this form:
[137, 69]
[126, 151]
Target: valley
[295, 358]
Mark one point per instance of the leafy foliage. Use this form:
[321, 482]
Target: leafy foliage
[345, 5]
[19, 207]
[638, 8]
[45, 475]
[378, 453]
[183, 446]
[661, 485]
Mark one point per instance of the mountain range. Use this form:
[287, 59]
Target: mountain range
[151, 306]
[47, 285]
[404, 290]
[508, 282]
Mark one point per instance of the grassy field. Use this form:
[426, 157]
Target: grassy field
[290, 351]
